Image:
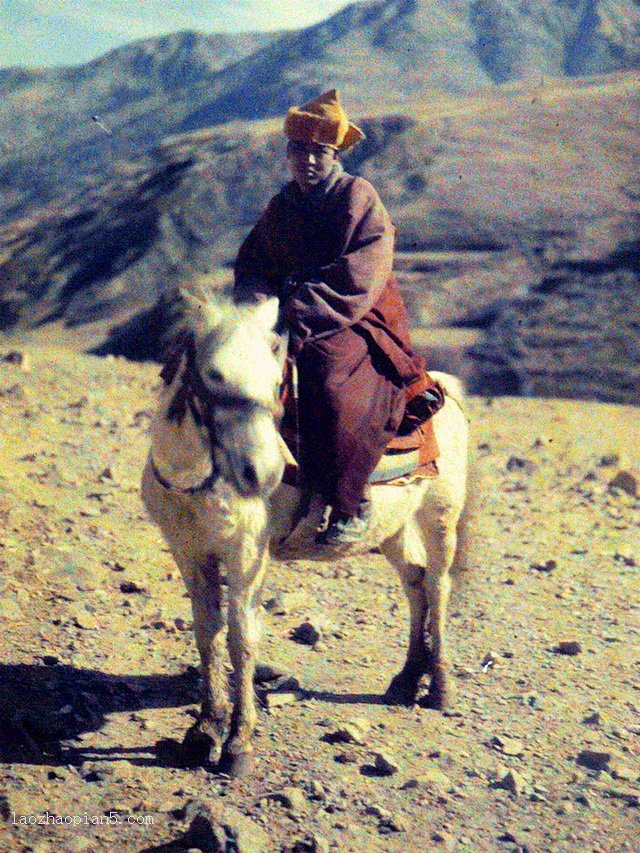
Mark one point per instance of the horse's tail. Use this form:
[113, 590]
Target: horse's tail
[468, 522]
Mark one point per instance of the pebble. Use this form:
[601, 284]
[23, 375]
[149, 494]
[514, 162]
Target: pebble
[594, 759]
[355, 731]
[627, 481]
[384, 764]
[511, 781]
[291, 797]
[433, 780]
[507, 745]
[568, 647]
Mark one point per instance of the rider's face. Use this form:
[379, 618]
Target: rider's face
[310, 162]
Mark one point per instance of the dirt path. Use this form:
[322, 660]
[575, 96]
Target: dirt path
[97, 657]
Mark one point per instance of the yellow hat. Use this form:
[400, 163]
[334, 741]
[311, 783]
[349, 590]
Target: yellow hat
[322, 120]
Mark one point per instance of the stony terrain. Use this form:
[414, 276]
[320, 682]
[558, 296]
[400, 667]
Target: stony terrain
[97, 657]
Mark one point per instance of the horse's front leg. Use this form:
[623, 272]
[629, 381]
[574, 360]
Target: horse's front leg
[244, 618]
[203, 741]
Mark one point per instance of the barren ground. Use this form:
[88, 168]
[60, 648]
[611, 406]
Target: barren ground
[97, 656]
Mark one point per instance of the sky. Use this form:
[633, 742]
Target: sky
[38, 33]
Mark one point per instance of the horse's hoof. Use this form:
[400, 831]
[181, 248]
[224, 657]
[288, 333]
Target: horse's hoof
[402, 690]
[441, 696]
[237, 765]
[169, 752]
[199, 748]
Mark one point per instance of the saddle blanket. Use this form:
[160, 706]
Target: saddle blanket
[408, 457]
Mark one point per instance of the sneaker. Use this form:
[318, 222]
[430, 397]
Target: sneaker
[347, 530]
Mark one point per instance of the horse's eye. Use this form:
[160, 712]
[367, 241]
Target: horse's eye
[215, 375]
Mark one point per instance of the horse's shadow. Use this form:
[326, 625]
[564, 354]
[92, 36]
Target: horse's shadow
[43, 709]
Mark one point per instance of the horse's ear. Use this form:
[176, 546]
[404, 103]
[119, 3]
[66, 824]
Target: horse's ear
[201, 314]
[266, 313]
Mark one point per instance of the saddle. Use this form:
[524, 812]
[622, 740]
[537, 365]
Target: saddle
[411, 455]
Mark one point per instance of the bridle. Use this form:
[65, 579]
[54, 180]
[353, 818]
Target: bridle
[201, 401]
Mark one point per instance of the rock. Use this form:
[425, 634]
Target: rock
[355, 731]
[507, 745]
[594, 759]
[511, 781]
[621, 771]
[626, 481]
[548, 566]
[629, 796]
[568, 647]
[594, 719]
[312, 631]
[222, 829]
[385, 764]
[310, 844]
[433, 780]
[81, 618]
[291, 797]
[347, 756]
[517, 463]
[131, 587]
[317, 790]
[265, 673]
[607, 460]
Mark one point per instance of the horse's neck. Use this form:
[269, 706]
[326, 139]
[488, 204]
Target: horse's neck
[179, 446]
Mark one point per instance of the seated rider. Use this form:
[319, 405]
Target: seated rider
[324, 246]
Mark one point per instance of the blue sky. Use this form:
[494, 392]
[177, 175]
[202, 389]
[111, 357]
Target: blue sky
[69, 32]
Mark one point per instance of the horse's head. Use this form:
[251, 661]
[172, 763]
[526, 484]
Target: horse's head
[237, 373]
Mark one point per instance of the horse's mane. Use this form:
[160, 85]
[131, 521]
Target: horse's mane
[196, 305]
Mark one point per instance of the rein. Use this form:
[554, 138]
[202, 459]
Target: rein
[201, 401]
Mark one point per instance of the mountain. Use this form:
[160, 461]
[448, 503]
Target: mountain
[62, 125]
[397, 51]
[495, 196]
[384, 56]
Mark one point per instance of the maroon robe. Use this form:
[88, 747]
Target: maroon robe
[328, 257]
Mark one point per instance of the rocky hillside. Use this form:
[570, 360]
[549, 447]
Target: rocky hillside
[576, 333]
[495, 197]
[66, 124]
[383, 55]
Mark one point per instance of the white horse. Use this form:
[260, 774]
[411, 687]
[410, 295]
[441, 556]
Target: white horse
[212, 483]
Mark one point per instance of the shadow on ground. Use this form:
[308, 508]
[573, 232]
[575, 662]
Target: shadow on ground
[43, 708]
